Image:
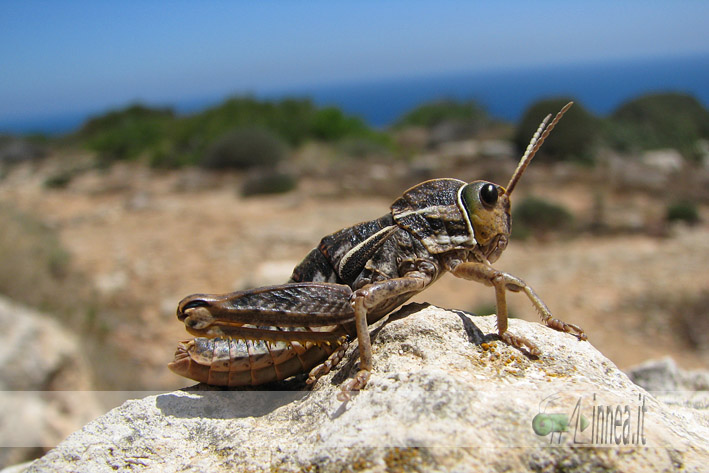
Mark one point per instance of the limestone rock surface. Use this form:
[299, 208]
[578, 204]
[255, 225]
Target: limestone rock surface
[45, 384]
[445, 395]
[663, 375]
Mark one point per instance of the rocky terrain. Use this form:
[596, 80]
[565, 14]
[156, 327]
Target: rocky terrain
[142, 239]
[46, 386]
[444, 396]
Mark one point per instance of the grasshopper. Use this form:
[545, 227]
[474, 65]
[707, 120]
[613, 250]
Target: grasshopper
[354, 278]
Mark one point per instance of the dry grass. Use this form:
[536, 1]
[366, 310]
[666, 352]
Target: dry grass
[37, 271]
[35, 267]
[691, 319]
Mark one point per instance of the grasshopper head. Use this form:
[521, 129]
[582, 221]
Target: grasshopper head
[487, 208]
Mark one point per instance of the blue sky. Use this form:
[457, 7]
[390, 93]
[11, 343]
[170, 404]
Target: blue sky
[59, 57]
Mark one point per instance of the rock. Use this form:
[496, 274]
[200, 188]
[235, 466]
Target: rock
[686, 391]
[445, 395]
[111, 283]
[627, 173]
[703, 150]
[16, 150]
[411, 137]
[665, 375]
[656, 375]
[667, 161]
[451, 130]
[497, 149]
[139, 200]
[44, 384]
[459, 149]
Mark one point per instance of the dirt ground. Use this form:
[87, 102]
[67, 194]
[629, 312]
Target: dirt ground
[152, 237]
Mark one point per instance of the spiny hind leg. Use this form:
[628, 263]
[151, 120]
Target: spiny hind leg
[335, 357]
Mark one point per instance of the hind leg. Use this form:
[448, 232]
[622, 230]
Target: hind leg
[333, 360]
[366, 298]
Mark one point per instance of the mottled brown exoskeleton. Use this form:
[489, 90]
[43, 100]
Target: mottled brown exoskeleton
[354, 278]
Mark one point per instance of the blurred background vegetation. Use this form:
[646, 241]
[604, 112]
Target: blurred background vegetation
[271, 146]
[267, 139]
[271, 138]
[245, 132]
[240, 133]
[272, 141]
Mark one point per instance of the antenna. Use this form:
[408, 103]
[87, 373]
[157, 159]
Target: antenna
[536, 142]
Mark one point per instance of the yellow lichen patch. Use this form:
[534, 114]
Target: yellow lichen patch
[403, 459]
[361, 464]
[491, 346]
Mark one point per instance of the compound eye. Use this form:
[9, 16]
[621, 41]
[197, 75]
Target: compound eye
[488, 194]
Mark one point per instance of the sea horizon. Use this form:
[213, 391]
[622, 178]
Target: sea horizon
[504, 93]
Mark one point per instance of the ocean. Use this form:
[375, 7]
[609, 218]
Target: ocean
[505, 94]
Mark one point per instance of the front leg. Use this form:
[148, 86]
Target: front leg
[503, 282]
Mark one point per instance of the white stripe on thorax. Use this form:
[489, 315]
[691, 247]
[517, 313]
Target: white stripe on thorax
[381, 234]
[440, 209]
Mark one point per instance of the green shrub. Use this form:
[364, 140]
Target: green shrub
[435, 113]
[575, 138]
[163, 157]
[682, 211]
[117, 118]
[539, 217]
[668, 120]
[126, 133]
[290, 119]
[330, 124]
[269, 183]
[169, 141]
[60, 180]
[244, 148]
